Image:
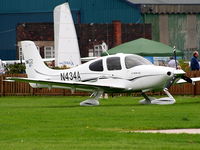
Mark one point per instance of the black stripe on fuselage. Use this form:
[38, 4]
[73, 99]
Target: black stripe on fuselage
[92, 79]
[96, 78]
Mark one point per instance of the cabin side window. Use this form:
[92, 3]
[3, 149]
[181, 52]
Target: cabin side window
[113, 63]
[96, 66]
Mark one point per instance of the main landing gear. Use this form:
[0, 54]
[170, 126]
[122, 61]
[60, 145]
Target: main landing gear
[94, 100]
[161, 101]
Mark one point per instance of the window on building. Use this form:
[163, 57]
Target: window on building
[90, 52]
[21, 57]
[96, 66]
[97, 50]
[113, 63]
[49, 52]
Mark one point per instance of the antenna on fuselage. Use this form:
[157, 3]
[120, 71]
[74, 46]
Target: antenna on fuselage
[174, 50]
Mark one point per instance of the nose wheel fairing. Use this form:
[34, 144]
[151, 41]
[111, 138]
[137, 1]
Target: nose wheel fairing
[160, 101]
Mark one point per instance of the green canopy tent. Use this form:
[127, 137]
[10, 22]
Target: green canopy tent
[144, 47]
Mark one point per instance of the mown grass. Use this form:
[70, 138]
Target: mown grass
[34, 123]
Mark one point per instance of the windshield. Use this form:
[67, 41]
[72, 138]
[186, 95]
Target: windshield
[135, 60]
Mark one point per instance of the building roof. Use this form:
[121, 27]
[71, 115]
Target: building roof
[170, 9]
[164, 1]
[144, 47]
[168, 6]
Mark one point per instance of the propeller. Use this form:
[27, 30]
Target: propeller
[175, 77]
[170, 82]
[174, 50]
[178, 74]
[189, 80]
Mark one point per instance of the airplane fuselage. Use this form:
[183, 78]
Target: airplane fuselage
[138, 77]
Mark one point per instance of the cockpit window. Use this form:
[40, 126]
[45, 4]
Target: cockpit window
[113, 63]
[134, 60]
[96, 66]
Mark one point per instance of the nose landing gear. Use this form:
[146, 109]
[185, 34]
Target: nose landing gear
[161, 101]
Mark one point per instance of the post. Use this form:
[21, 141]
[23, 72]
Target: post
[195, 86]
[1, 85]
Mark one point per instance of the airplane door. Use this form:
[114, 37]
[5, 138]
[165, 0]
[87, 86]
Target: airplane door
[114, 67]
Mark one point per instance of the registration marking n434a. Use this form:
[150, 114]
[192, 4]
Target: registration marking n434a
[70, 76]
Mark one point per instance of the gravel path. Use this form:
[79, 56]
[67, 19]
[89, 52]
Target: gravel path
[172, 131]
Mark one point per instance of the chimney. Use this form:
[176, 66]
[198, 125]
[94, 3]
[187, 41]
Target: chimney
[117, 33]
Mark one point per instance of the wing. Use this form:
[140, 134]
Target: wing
[108, 85]
[193, 79]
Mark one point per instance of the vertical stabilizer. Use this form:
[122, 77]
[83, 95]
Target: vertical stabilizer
[66, 43]
[33, 61]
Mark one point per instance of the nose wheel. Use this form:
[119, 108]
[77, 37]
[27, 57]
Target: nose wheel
[161, 101]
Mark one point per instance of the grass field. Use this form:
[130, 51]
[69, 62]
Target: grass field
[59, 123]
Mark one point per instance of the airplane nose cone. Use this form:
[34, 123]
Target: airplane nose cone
[174, 72]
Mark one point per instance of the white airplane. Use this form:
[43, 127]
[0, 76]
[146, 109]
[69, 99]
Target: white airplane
[114, 73]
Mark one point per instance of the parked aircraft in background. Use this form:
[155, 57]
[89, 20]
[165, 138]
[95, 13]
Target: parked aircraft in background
[114, 73]
[2, 70]
[66, 42]
[8, 62]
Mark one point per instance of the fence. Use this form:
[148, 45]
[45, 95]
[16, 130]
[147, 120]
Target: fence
[187, 88]
[21, 88]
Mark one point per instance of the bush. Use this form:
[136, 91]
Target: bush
[15, 68]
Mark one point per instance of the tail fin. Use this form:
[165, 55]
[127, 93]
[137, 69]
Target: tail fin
[35, 67]
[66, 43]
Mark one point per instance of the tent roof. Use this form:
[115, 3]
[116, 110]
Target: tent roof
[144, 47]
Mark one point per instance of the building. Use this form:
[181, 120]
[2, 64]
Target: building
[17, 12]
[174, 22]
[90, 36]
